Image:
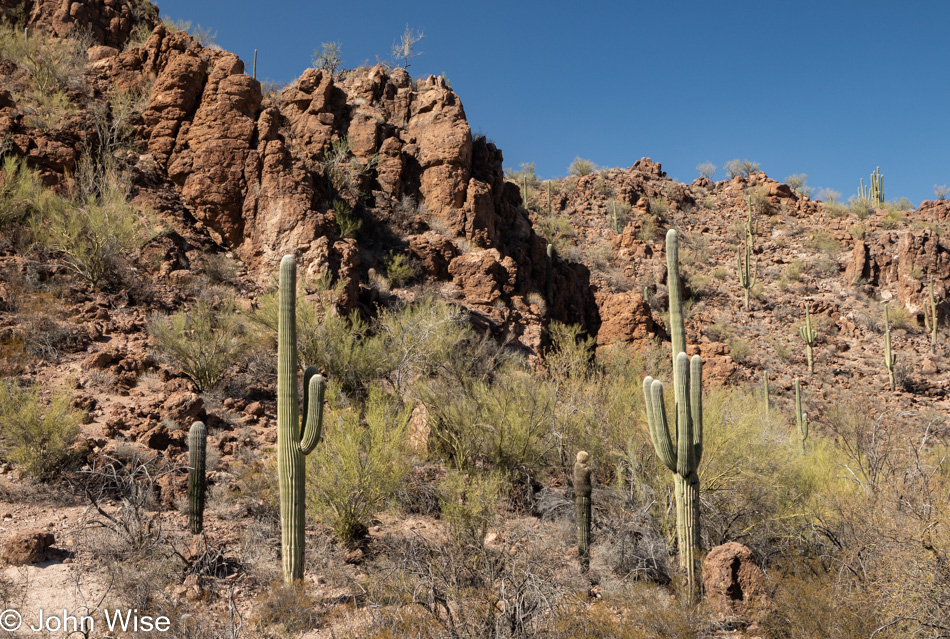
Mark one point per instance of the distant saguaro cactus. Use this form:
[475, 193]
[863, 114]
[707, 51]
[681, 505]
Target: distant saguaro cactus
[890, 359]
[930, 320]
[292, 442]
[582, 492]
[747, 269]
[801, 419]
[197, 445]
[549, 276]
[808, 336]
[684, 457]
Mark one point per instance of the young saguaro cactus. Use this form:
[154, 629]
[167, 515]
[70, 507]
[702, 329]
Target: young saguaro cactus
[801, 419]
[582, 492]
[684, 457]
[197, 446]
[765, 392]
[292, 443]
[890, 359]
[808, 336]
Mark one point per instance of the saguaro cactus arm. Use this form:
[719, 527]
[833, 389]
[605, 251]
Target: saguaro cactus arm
[313, 412]
[656, 422]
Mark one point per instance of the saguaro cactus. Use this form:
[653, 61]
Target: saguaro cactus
[751, 226]
[801, 419]
[549, 276]
[582, 492]
[765, 391]
[930, 321]
[683, 459]
[292, 444]
[747, 269]
[874, 193]
[808, 336]
[890, 359]
[197, 445]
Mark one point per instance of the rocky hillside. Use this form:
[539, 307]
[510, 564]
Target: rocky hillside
[373, 180]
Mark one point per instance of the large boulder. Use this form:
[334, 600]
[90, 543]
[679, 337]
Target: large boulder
[735, 586]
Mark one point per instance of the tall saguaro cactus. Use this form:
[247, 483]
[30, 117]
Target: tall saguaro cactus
[582, 492]
[890, 359]
[801, 419]
[873, 193]
[808, 336]
[197, 446]
[292, 443]
[684, 457]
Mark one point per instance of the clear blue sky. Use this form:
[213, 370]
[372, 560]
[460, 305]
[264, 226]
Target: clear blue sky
[830, 88]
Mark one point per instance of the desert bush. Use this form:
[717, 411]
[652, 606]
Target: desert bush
[22, 193]
[824, 242]
[706, 170]
[468, 503]
[348, 223]
[892, 219]
[580, 167]
[359, 465]
[37, 433]
[284, 611]
[345, 171]
[400, 269]
[204, 341]
[330, 57]
[745, 168]
[797, 184]
[95, 233]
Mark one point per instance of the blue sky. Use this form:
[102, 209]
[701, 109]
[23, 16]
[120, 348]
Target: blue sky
[830, 88]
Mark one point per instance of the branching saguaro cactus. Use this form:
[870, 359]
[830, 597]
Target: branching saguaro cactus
[808, 336]
[890, 359]
[197, 446]
[747, 269]
[874, 193]
[292, 444]
[930, 320]
[801, 419]
[582, 492]
[683, 459]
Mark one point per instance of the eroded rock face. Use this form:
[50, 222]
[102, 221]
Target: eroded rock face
[626, 317]
[907, 259]
[110, 22]
[734, 585]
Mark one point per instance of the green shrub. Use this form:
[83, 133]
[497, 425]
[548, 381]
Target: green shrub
[468, 503]
[37, 434]
[735, 168]
[824, 242]
[21, 192]
[797, 184]
[94, 234]
[203, 341]
[359, 465]
[892, 219]
[400, 269]
[580, 167]
[348, 223]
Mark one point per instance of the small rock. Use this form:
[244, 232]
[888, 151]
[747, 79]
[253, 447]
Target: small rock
[27, 547]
